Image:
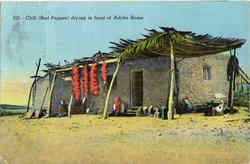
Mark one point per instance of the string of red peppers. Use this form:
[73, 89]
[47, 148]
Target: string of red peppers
[117, 105]
[94, 88]
[104, 72]
[76, 83]
[85, 80]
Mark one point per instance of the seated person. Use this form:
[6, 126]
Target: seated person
[62, 111]
[187, 105]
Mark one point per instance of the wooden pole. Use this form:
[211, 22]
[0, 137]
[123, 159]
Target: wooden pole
[232, 92]
[244, 76]
[81, 66]
[105, 110]
[33, 86]
[50, 92]
[30, 93]
[229, 93]
[37, 69]
[171, 91]
[69, 106]
[44, 97]
[232, 86]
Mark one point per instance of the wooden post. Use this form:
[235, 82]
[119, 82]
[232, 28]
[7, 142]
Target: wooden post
[105, 110]
[229, 93]
[37, 69]
[37, 114]
[33, 86]
[81, 66]
[232, 92]
[69, 106]
[30, 93]
[232, 84]
[171, 91]
[50, 92]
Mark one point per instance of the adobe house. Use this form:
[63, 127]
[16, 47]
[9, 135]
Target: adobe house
[165, 66]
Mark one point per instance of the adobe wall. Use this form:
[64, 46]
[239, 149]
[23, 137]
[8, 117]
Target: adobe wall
[155, 73]
[62, 91]
[156, 82]
[41, 95]
[195, 87]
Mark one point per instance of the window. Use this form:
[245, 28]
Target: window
[109, 79]
[206, 72]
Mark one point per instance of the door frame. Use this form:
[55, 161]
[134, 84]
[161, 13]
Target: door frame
[131, 85]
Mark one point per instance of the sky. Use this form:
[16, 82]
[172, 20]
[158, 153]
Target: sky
[24, 41]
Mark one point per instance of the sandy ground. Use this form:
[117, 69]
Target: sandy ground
[88, 139]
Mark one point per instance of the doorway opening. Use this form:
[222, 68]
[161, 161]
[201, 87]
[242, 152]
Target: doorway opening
[137, 88]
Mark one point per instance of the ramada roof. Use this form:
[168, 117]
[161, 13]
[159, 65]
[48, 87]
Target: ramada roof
[186, 44]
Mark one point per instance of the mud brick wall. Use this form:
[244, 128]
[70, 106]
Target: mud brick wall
[39, 95]
[156, 80]
[156, 84]
[195, 87]
[62, 91]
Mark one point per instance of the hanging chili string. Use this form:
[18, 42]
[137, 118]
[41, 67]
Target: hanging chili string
[117, 105]
[94, 88]
[85, 81]
[76, 83]
[104, 72]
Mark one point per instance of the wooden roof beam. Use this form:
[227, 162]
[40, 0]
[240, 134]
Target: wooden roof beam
[81, 66]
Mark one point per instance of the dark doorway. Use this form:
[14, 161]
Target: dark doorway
[137, 88]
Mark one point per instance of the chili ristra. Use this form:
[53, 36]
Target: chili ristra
[76, 83]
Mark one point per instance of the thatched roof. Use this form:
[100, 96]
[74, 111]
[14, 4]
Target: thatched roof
[186, 44]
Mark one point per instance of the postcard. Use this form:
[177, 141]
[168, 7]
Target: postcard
[124, 82]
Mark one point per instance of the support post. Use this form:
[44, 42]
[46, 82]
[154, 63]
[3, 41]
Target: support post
[33, 86]
[69, 106]
[232, 86]
[30, 93]
[50, 92]
[105, 110]
[232, 92]
[171, 90]
[38, 66]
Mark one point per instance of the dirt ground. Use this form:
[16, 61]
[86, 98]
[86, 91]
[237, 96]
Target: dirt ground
[88, 139]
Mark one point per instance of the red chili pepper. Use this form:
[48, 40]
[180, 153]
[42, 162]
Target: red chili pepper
[85, 80]
[117, 105]
[94, 88]
[104, 72]
[76, 83]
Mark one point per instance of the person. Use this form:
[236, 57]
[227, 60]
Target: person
[116, 107]
[219, 108]
[163, 109]
[62, 111]
[156, 112]
[187, 105]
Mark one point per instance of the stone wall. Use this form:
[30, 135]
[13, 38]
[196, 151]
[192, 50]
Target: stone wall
[195, 87]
